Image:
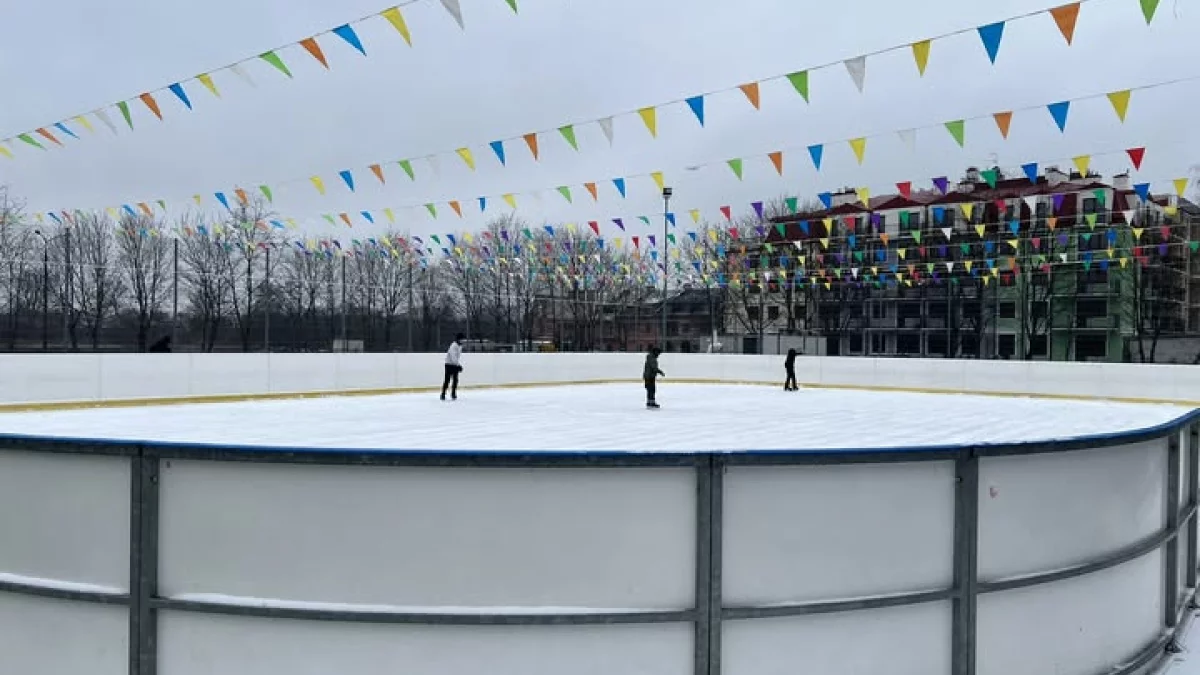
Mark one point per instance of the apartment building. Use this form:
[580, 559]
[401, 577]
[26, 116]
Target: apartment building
[1063, 267]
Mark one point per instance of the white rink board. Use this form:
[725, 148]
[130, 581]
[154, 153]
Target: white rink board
[799, 534]
[457, 537]
[49, 637]
[65, 518]
[199, 644]
[898, 641]
[1079, 626]
[694, 417]
[1044, 512]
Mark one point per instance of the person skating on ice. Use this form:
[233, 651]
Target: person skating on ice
[789, 365]
[453, 368]
[650, 375]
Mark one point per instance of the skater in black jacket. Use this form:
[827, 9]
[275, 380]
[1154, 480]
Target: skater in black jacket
[789, 365]
[650, 374]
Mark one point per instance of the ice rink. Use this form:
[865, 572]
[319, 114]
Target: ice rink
[605, 417]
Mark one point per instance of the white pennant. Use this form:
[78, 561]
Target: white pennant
[455, 11]
[950, 266]
[237, 70]
[102, 115]
[1032, 203]
[606, 125]
[946, 232]
[1063, 256]
[854, 272]
[435, 165]
[1128, 216]
[909, 138]
[857, 67]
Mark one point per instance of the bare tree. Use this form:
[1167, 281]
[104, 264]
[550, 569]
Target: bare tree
[205, 259]
[96, 285]
[249, 235]
[435, 304]
[143, 260]
[21, 279]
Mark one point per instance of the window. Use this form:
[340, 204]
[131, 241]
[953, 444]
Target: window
[752, 313]
[1008, 346]
[1090, 347]
[908, 344]
[1092, 308]
[856, 343]
[1037, 345]
[1008, 310]
[773, 313]
[937, 344]
[878, 344]
[878, 310]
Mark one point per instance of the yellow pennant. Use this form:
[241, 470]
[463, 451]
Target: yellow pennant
[825, 242]
[198, 199]
[390, 216]
[6, 152]
[318, 183]
[510, 200]
[1120, 103]
[859, 145]
[650, 119]
[207, 81]
[1082, 163]
[1180, 186]
[903, 253]
[1014, 243]
[658, 180]
[395, 18]
[83, 122]
[921, 54]
[967, 209]
[465, 153]
[695, 213]
[980, 229]
[864, 195]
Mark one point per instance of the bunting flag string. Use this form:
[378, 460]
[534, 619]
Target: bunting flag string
[346, 33]
[1058, 113]
[991, 35]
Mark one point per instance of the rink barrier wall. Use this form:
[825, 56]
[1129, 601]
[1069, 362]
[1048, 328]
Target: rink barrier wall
[1134, 551]
[62, 381]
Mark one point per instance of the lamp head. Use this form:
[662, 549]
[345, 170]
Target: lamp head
[667, 192]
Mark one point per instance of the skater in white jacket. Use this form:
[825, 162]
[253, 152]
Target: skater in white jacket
[453, 368]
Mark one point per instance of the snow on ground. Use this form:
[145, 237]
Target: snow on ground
[605, 417]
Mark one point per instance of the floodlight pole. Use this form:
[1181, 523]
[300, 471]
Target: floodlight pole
[666, 193]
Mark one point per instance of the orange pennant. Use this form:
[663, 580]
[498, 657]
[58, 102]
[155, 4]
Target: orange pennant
[1065, 17]
[1003, 121]
[378, 171]
[346, 219]
[48, 136]
[591, 188]
[531, 141]
[751, 92]
[310, 45]
[777, 160]
[151, 104]
[241, 195]
[457, 208]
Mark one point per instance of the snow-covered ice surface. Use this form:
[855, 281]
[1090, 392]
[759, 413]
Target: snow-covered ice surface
[606, 417]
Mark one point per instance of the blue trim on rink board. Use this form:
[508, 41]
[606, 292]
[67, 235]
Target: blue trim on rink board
[1128, 436]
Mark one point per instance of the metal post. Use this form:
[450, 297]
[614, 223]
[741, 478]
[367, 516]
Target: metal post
[175, 294]
[410, 306]
[1193, 499]
[267, 304]
[68, 302]
[707, 643]
[966, 564]
[143, 564]
[45, 295]
[1171, 552]
[345, 347]
[666, 193]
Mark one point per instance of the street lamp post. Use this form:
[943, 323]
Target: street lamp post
[45, 290]
[666, 193]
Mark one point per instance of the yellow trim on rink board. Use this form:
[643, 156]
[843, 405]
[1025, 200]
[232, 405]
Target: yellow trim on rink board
[284, 396]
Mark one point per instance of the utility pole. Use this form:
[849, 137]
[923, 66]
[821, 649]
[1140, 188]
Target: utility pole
[69, 302]
[267, 303]
[666, 193]
[175, 293]
[410, 306]
[345, 346]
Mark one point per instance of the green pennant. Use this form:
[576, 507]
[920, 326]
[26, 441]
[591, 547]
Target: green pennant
[32, 141]
[1091, 220]
[1148, 9]
[1087, 237]
[273, 59]
[792, 204]
[1194, 245]
[957, 129]
[432, 210]
[929, 267]
[736, 166]
[565, 192]
[267, 192]
[917, 236]
[328, 218]
[644, 219]
[407, 166]
[770, 249]
[904, 217]
[528, 234]
[858, 255]
[125, 113]
[965, 248]
[568, 132]
[436, 240]
[1100, 195]
[799, 80]
[781, 229]
[513, 4]
[990, 175]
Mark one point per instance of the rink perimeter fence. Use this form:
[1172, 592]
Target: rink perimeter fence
[189, 559]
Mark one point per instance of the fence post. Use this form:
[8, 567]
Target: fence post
[143, 564]
[1193, 499]
[707, 645]
[1171, 554]
[966, 567]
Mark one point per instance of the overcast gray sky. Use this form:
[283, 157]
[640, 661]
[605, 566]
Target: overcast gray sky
[562, 61]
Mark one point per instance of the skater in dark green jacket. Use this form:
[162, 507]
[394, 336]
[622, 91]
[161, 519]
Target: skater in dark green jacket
[650, 374]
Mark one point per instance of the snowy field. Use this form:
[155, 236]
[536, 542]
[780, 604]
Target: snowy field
[606, 417]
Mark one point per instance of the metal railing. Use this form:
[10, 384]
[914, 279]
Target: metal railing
[709, 611]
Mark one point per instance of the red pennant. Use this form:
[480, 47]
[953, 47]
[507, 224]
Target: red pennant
[905, 189]
[1037, 242]
[1045, 268]
[595, 227]
[1166, 232]
[1000, 205]
[635, 242]
[849, 221]
[726, 212]
[733, 231]
[1135, 156]
[921, 251]
[1016, 268]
